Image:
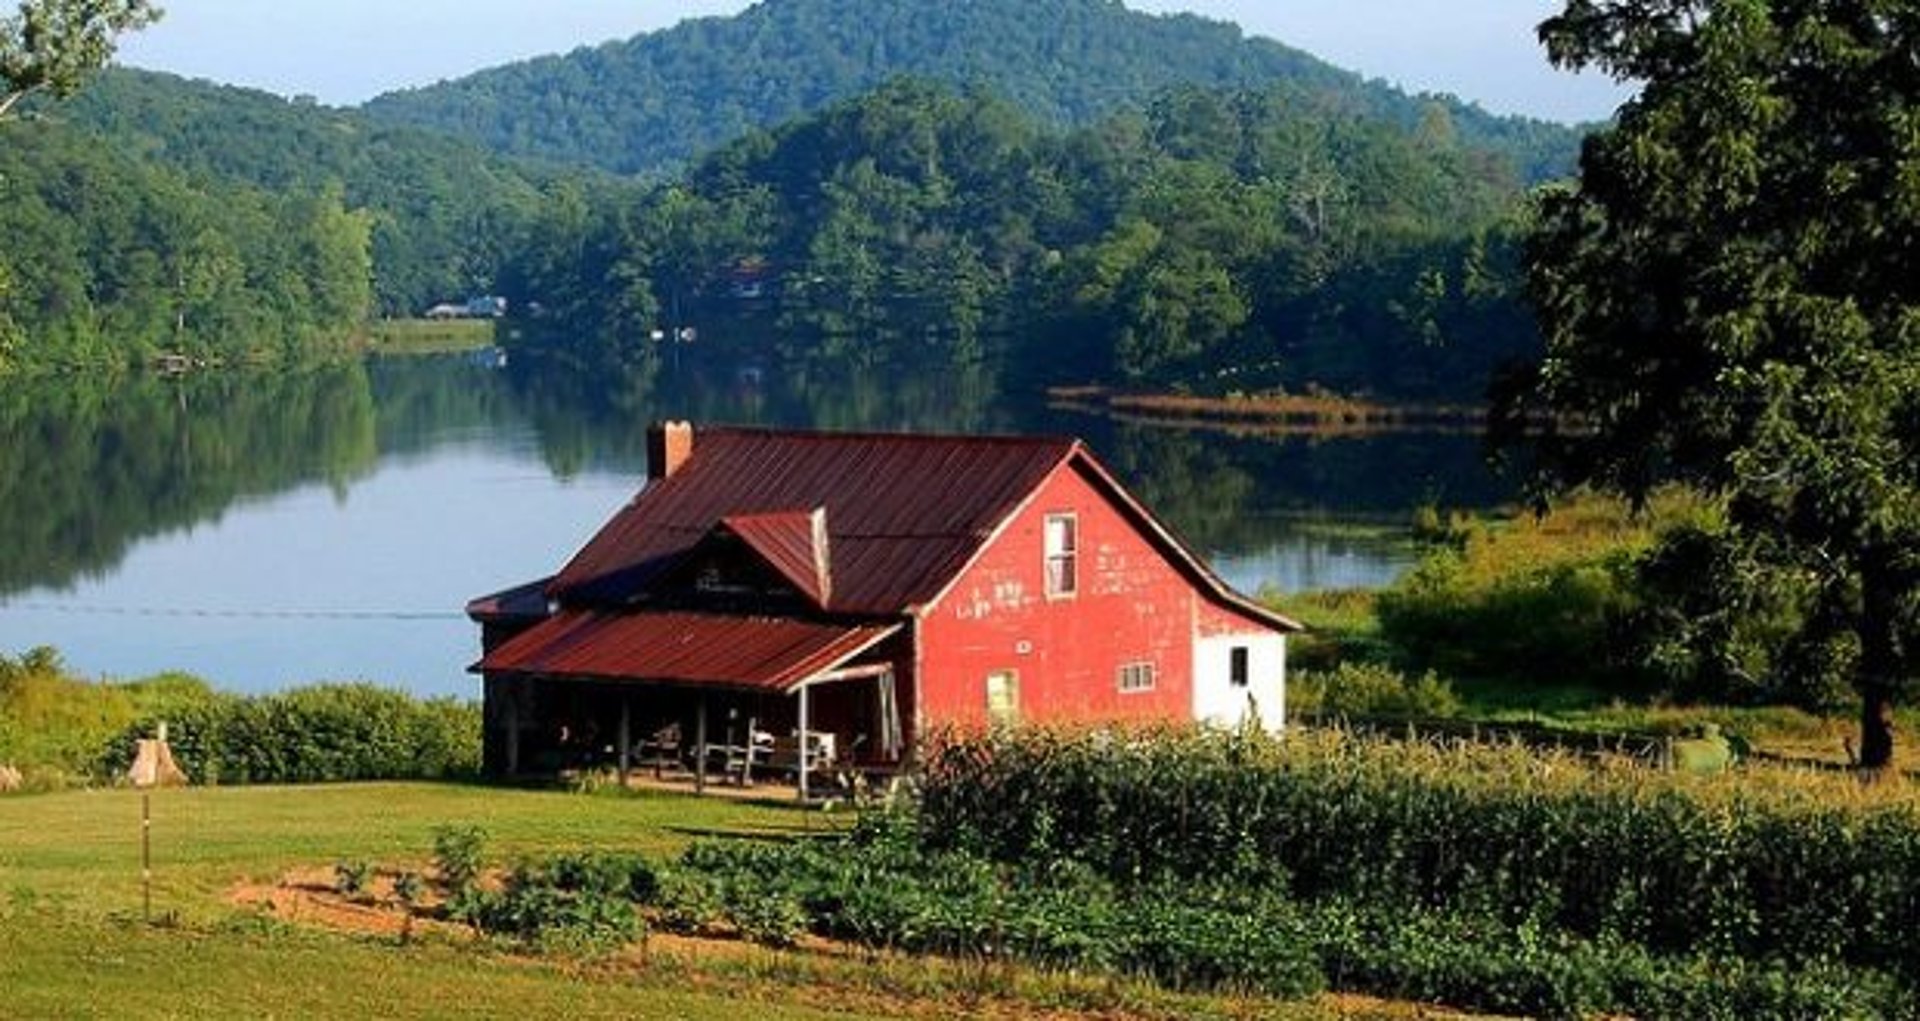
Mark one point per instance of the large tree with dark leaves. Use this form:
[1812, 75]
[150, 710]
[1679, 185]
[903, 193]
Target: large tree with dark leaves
[1729, 300]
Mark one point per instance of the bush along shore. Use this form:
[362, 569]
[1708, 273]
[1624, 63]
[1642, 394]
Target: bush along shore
[1482, 879]
[57, 730]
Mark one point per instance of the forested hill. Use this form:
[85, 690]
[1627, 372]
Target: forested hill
[439, 207]
[654, 101]
[1218, 240]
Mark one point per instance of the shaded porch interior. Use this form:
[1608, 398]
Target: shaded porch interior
[829, 735]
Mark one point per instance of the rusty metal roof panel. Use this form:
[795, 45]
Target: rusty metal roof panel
[903, 512]
[753, 653]
[793, 543]
[521, 602]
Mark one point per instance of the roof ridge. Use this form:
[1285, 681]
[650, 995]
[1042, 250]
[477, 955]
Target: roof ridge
[905, 436]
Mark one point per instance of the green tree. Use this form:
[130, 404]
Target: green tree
[1729, 298]
[52, 45]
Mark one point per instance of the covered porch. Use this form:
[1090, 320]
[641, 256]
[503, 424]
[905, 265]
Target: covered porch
[701, 699]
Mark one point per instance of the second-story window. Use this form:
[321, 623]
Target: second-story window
[1063, 554]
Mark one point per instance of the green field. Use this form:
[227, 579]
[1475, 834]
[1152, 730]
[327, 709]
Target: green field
[429, 336]
[72, 944]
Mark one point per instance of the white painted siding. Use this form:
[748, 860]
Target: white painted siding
[1220, 702]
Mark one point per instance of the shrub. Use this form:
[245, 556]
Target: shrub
[459, 855]
[571, 905]
[688, 902]
[1370, 691]
[352, 878]
[1538, 599]
[409, 888]
[325, 733]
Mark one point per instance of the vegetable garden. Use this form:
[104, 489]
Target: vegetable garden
[1486, 879]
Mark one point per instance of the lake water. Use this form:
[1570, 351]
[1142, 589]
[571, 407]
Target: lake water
[266, 531]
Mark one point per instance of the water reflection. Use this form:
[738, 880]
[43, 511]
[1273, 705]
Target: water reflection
[271, 529]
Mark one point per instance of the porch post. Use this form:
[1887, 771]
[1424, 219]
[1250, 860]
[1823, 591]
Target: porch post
[804, 756]
[513, 733]
[700, 745]
[626, 737]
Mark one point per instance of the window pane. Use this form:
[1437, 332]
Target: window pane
[1062, 542]
[1060, 534]
[1003, 696]
[1240, 669]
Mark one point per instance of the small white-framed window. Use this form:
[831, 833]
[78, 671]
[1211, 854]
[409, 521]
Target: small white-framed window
[1063, 555]
[1240, 666]
[1003, 697]
[1138, 677]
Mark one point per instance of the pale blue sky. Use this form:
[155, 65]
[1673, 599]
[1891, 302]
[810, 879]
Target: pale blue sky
[344, 51]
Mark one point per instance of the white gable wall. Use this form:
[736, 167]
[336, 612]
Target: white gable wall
[1217, 701]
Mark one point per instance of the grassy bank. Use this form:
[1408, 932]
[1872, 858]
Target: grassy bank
[1568, 620]
[1272, 413]
[429, 336]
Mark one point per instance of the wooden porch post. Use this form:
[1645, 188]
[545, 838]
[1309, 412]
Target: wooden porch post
[513, 732]
[804, 750]
[700, 746]
[626, 737]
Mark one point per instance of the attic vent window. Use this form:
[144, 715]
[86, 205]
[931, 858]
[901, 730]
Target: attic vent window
[1063, 554]
[710, 580]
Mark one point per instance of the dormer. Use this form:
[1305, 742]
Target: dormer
[768, 554]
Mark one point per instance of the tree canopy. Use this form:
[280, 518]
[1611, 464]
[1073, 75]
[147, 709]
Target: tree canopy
[1220, 239]
[1729, 299]
[53, 45]
[657, 101]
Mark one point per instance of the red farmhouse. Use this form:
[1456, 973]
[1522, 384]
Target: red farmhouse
[853, 590]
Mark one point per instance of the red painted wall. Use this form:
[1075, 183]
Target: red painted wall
[1132, 605]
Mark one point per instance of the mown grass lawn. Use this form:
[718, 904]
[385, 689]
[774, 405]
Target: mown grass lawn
[72, 943]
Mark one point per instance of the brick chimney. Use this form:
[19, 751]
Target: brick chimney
[669, 444]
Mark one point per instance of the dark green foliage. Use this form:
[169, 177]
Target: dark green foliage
[688, 902]
[917, 227]
[1729, 297]
[877, 890]
[1719, 624]
[1485, 963]
[409, 888]
[576, 903]
[657, 100]
[1672, 872]
[1432, 881]
[351, 878]
[325, 733]
[111, 259]
[459, 856]
[54, 45]
[441, 211]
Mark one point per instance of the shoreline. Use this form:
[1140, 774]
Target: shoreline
[1271, 415]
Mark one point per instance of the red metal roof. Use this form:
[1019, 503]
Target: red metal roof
[905, 513]
[793, 543]
[758, 653]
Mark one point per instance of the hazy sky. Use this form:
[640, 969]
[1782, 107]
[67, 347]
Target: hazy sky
[344, 51]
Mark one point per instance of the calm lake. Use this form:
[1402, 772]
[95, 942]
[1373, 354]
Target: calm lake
[264, 531]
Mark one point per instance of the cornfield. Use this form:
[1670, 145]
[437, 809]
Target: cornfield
[1763, 864]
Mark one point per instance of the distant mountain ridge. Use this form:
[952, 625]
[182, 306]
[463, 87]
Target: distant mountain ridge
[653, 102]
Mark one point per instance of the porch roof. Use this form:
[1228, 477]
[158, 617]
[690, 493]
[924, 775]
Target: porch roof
[776, 654]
